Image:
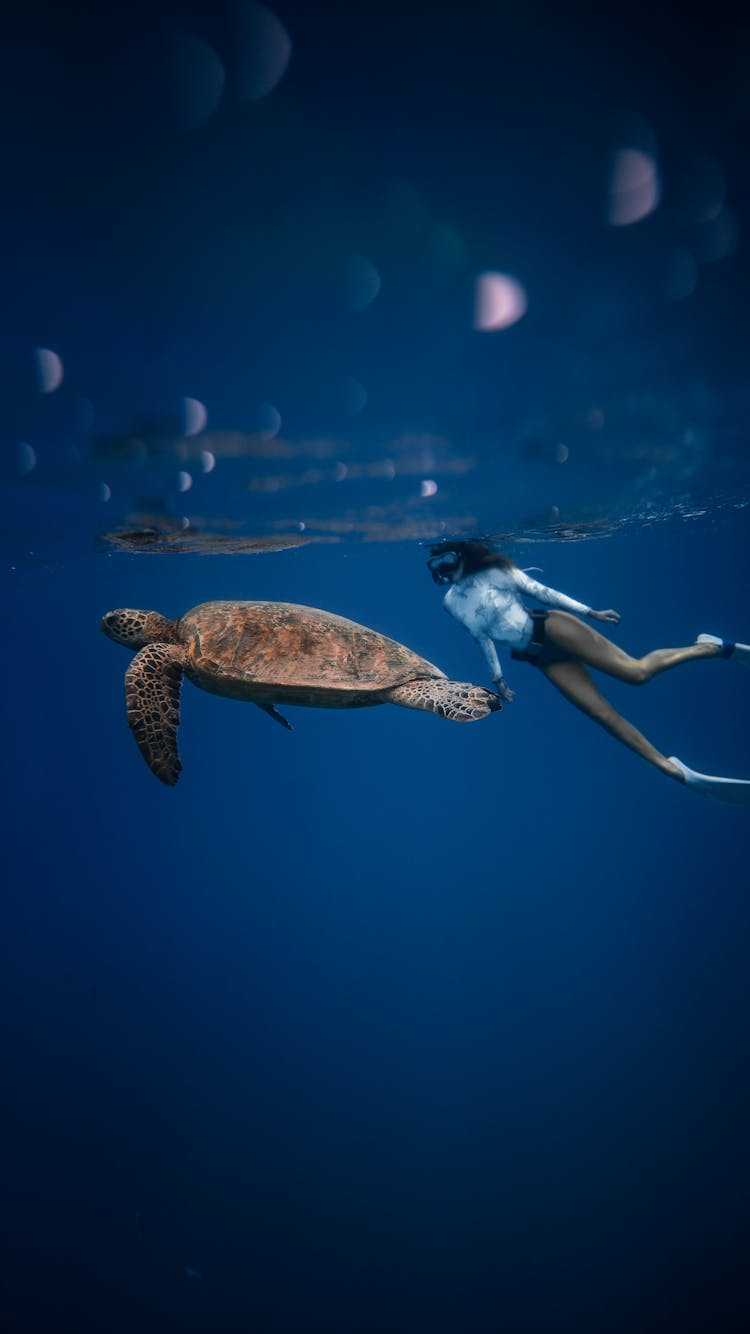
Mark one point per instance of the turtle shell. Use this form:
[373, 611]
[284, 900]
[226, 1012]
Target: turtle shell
[282, 650]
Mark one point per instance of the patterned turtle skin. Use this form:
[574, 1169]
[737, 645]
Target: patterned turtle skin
[269, 653]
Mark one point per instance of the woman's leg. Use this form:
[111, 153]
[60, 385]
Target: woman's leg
[582, 641]
[574, 682]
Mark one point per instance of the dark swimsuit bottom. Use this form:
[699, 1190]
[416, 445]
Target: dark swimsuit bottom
[540, 652]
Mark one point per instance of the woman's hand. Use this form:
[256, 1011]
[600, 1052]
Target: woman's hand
[504, 690]
[613, 616]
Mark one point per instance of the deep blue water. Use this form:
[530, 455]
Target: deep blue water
[387, 1024]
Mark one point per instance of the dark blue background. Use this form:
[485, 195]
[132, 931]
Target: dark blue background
[386, 1025]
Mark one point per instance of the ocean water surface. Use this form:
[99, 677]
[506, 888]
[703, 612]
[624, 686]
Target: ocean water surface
[386, 1024]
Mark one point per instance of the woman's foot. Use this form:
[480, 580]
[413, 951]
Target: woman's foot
[726, 648]
[736, 791]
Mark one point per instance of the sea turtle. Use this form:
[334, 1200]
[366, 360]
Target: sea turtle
[271, 653]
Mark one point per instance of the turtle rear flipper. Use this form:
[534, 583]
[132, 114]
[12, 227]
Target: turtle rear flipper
[273, 712]
[152, 696]
[460, 701]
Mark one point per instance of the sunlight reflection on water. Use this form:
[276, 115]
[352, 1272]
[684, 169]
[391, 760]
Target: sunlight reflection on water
[272, 334]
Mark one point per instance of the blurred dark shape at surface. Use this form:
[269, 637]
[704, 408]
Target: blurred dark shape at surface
[167, 539]
[558, 529]
[380, 525]
[152, 442]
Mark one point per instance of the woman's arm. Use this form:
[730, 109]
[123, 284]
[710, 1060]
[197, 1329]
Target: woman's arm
[551, 598]
[487, 647]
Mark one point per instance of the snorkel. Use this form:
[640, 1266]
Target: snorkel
[456, 559]
[443, 564]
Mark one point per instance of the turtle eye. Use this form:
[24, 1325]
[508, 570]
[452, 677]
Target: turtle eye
[117, 626]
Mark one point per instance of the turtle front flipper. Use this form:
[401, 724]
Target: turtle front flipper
[460, 701]
[152, 696]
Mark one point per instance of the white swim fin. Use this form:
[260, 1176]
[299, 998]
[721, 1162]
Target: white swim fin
[737, 652]
[736, 791]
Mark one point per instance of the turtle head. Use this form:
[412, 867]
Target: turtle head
[134, 629]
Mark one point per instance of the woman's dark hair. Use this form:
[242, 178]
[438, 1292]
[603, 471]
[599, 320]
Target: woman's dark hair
[475, 553]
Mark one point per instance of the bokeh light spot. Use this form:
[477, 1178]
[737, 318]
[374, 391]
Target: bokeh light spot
[196, 416]
[634, 188]
[718, 238]
[85, 414]
[353, 397]
[500, 301]
[701, 191]
[263, 48]
[270, 421]
[197, 77]
[362, 282]
[448, 252]
[681, 275]
[49, 369]
[26, 457]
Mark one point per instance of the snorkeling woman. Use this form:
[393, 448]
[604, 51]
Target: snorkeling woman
[486, 595]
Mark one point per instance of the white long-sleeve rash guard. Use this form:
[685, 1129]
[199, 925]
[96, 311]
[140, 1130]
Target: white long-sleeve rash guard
[488, 604]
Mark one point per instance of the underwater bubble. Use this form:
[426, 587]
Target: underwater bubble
[184, 481]
[208, 460]
[428, 488]
[500, 301]
[104, 492]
